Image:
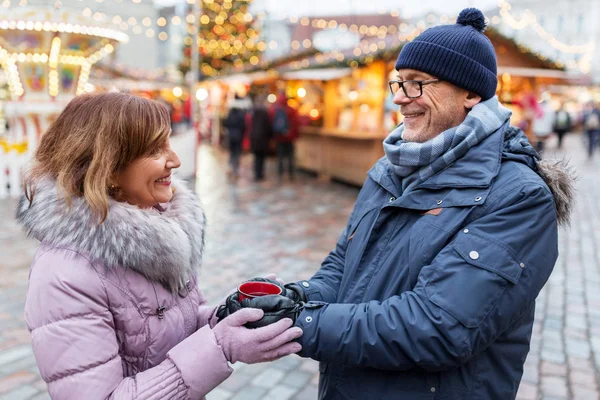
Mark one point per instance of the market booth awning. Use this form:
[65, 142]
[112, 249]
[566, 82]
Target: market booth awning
[549, 75]
[322, 74]
[510, 55]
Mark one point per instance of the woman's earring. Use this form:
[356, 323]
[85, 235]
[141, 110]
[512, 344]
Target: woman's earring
[112, 190]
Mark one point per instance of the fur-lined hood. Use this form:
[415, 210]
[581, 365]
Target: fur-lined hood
[557, 174]
[164, 246]
[560, 178]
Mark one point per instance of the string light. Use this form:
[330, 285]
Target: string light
[55, 57]
[14, 81]
[83, 77]
[529, 20]
[222, 15]
[48, 26]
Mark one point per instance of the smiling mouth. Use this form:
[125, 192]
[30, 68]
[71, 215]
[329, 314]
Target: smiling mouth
[166, 179]
[412, 115]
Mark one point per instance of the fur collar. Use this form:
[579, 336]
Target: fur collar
[560, 178]
[166, 247]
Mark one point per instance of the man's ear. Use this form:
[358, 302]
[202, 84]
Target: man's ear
[471, 100]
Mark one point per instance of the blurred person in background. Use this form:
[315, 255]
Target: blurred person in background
[235, 123]
[562, 124]
[543, 125]
[187, 112]
[284, 120]
[176, 116]
[430, 291]
[591, 127]
[113, 303]
[261, 133]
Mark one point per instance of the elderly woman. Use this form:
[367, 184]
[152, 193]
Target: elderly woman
[113, 304]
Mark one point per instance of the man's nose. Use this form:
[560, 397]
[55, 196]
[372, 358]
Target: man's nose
[400, 98]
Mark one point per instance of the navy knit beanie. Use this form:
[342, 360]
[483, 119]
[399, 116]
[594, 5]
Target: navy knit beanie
[460, 54]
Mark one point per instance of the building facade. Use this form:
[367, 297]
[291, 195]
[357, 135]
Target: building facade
[170, 51]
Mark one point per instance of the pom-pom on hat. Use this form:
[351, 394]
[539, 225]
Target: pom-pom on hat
[460, 54]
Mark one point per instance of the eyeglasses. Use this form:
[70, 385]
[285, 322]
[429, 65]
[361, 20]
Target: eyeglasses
[411, 89]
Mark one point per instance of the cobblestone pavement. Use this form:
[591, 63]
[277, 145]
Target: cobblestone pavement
[288, 229]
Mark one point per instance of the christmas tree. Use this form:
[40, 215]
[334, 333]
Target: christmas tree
[227, 39]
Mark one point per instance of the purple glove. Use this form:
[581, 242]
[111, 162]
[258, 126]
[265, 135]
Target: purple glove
[274, 278]
[252, 346]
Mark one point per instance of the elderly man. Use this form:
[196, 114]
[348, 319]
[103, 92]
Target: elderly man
[430, 291]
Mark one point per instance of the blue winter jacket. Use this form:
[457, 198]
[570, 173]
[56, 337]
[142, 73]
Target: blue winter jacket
[431, 294]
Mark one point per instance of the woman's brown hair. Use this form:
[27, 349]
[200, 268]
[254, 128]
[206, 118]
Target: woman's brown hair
[96, 137]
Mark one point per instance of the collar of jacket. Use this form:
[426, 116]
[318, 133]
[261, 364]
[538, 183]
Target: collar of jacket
[165, 246]
[466, 182]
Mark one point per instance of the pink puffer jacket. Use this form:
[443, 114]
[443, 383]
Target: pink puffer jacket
[114, 309]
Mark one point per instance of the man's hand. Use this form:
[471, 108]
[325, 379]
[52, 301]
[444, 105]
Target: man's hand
[295, 292]
[275, 307]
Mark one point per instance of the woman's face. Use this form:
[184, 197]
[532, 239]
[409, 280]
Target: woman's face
[147, 180]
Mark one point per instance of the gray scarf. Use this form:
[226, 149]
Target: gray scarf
[417, 162]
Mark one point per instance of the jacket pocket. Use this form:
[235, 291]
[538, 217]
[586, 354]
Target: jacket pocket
[471, 279]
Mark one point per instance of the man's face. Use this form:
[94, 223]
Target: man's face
[441, 107]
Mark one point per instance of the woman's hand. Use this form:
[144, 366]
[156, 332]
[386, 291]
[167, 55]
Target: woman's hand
[252, 346]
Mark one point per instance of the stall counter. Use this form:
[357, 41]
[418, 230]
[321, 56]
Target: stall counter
[341, 155]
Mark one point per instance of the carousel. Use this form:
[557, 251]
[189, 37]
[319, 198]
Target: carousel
[45, 60]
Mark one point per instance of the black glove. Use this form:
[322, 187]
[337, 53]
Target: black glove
[232, 303]
[295, 292]
[275, 307]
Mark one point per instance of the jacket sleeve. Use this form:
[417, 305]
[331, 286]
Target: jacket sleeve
[206, 313]
[324, 285]
[481, 283]
[76, 348]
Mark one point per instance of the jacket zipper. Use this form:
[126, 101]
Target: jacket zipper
[160, 309]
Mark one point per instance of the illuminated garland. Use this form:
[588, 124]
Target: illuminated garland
[527, 20]
[530, 20]
[60, 27]
[217, 47]
[58, 56]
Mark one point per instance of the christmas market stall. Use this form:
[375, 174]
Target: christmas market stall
[348, 108]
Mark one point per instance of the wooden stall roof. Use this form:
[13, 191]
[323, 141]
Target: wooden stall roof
[509, 53]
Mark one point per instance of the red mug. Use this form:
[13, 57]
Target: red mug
[252, 289]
